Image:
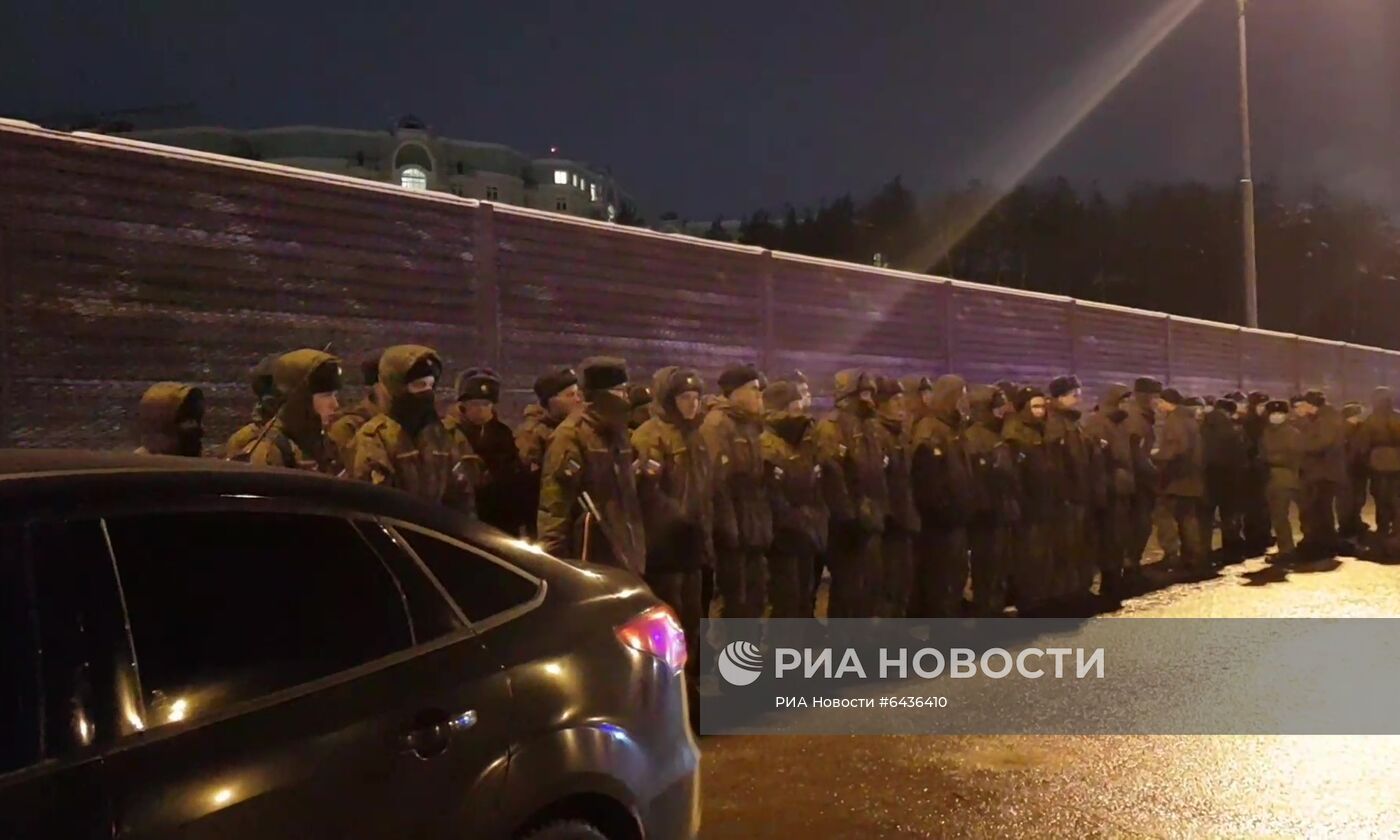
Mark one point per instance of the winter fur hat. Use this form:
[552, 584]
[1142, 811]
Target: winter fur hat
[1276, 407]
[550, 384]
[887, 387]
[735, 377]
[1315, 397]
[478, 383]
[1227, 406]
[779, 395]
[1062, 385]
[603, 373]
[639, 395]
[1353, 409]
[1171, 395]
[1024, 395]
[1147, 385]
[851, 382]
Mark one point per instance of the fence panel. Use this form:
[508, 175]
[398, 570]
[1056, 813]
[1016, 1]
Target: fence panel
[1113, 344]
[827, 317]
[1205, 358]
[128, 266]
[999, 334]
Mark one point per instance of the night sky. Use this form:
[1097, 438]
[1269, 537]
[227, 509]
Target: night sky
[719, 107]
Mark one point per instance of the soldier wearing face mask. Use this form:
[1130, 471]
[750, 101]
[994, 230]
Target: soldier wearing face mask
[588, 493]
[296, 438]
[853, 469]
[408, 447]
[500, 493]
[1024, 434]
[733, 431]
[170, 420]
[1281, 451]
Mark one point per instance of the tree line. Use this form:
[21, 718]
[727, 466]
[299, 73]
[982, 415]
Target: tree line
[1329, 266]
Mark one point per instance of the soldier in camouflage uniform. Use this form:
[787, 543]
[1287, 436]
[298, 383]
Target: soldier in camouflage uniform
[733, 430]
[1024, 434]
[268, 401]
[170, 420]
[943, 492]
[1105, 429]
[640, 396]
[296, 438]
[348, 422]
[853, 469]
[902, 523]
[795, 492]
[588, 493]
[996, 498]
[558, 396]
[501, 498]
[407, 447]
[676, 488]
[1073, 556]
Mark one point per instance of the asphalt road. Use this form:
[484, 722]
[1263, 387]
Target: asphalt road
[801, 787]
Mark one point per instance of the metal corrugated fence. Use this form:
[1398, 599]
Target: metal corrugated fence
[122, 264]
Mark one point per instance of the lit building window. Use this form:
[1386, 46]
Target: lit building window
[561, 176]
[561, 205]
[592, 192]
[414, 178]
[492, 193]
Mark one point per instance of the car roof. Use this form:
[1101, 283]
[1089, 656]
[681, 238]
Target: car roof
[30, 472]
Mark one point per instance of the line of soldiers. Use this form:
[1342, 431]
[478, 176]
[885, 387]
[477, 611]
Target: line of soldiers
[906, 491]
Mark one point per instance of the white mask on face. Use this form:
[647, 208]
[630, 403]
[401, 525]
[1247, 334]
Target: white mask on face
[1277, 419]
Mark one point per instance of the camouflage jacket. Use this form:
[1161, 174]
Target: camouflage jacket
[743, 518]
[435, 464]
[588, 469]
[795, 481]
[853, 469]
[346, 424]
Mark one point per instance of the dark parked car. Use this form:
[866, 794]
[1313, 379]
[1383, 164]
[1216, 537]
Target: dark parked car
[196, 649]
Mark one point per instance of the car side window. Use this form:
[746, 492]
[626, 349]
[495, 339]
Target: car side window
[231, 606]
[20, 672]
[479, 585]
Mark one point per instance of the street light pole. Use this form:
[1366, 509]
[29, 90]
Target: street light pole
[1251, 279]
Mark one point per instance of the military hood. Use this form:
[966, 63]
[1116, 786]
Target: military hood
[1381, 399]
[982, 402]
[667, 384]
[158, 417]
[1113, 397]
[947, 390]
[299, 375]
[265, 389]
[401, 365]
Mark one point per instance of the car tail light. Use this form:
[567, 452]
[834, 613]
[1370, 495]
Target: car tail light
[658, 633]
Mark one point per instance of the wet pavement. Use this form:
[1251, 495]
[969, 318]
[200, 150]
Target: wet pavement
[800, 787]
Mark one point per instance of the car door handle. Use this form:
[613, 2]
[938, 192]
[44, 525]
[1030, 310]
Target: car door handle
[429, 734]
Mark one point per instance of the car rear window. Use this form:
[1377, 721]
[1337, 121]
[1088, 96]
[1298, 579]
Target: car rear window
[481, 586]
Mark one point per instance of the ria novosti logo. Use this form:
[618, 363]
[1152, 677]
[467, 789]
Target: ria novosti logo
[740, 663]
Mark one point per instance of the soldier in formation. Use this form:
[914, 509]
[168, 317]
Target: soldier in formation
[911, 492]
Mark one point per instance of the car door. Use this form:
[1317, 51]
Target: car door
[294, 683]
[51, 648]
